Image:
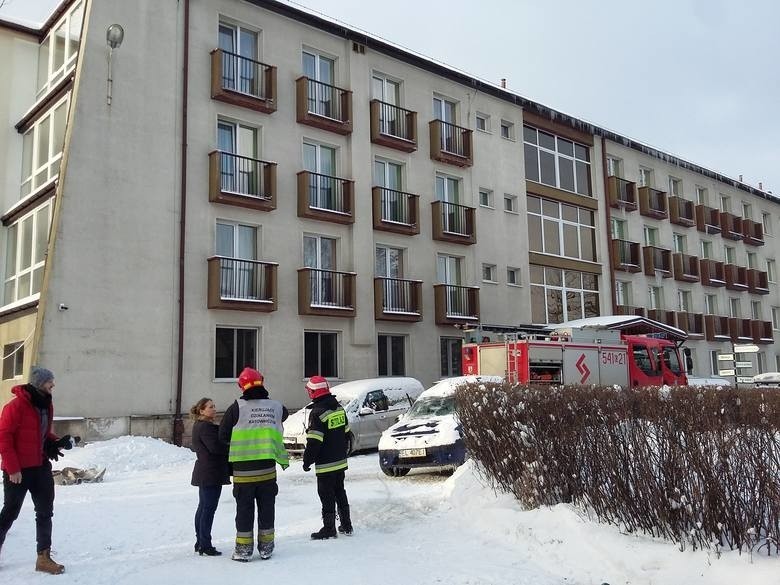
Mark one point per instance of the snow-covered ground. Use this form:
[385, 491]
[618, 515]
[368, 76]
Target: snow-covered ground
[422, 529]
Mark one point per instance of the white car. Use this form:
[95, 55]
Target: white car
[372, 405]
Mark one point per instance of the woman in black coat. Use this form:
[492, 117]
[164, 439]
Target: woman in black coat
[210, 473]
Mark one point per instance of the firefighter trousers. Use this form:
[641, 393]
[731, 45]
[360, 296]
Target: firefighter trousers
[330, 488]
[248, 495]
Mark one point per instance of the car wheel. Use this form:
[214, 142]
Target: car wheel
[350, 443]
[389, 471]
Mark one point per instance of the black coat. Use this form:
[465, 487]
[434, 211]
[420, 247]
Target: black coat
[333, 446]
[211, 468]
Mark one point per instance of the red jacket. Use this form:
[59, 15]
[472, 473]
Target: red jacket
[20, 433]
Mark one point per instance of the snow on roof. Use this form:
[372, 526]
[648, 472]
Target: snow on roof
[23, 22]
[631, 324]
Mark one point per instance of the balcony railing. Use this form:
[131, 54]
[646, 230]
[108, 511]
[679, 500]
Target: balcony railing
[752, 232]
[762, 332]
[657, 260]
[621, 193]
[730, 226]
[736, 277]
[625, 256]
[712, 272]
[456, 304]
[653, 203]
[243, 82]
[681, 211]
[663, 316]
[740, 330]
[395, 211]
[393, 126]
[716, 328]
[242, 181]
[629, 310]
[323, 106]
[453, 223]
[686, 268]
[707, 219]
[246, 285]
[326, 292]
[691, 323]
[326, 198]
[758, 281]
[451, 144]
[397, 299]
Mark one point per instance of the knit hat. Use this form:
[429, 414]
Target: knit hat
[317, 386]
[249, 378]
[39, 376]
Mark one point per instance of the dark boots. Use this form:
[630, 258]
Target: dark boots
[328, 529]
[345, 524]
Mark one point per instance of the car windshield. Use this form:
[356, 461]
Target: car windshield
[432, 406]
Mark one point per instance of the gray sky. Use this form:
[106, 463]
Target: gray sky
[696, 78]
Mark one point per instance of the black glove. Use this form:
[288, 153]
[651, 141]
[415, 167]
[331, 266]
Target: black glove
[51, 449]
[68, 442]
[306, 466]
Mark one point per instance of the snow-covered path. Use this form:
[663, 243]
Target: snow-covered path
[135, 528]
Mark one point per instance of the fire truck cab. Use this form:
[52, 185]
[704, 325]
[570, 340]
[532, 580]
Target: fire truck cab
[622, 350]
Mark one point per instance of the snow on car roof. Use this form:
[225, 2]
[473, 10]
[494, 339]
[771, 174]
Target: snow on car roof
[349, 390]
[448, 385]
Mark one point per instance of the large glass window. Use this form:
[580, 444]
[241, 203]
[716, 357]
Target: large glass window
[556, 161]
[13, 360]
[57, 52]
[42, 148]
[561, 229]
[25, 255]
[235, 349]
[391, 355]
[449, 353]
[320, 354]
[562, 295]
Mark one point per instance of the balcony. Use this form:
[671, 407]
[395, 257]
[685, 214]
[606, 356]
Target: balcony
[657, 260]
[681, 212]
[716, 328]
[686, 267]
[243, 82]
[762, 332]
[730, 226]
[326, 198]
[395, 211]
[629, 310]
[243, 285]
[707, 219]
[712, 272]
[663, 316]
[757, 281]
[752, 232]
[691, 323]
[323, 106]
[451, 144]
[242, 181]
[625, 256]
[653, 203]
[621, 193]
[456, 305]
[453, 223]
[393, 126]
[736, 277]
[397, 299]
[740, 330]
[326, 293]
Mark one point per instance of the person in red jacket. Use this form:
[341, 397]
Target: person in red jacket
[26, 445]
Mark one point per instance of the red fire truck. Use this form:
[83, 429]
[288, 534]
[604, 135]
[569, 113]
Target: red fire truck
[620, 350]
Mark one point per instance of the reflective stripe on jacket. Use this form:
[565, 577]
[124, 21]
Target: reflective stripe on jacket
[257, 434]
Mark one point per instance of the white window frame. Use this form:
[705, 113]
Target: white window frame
[13, 360]
[655, 297]
[485, 119]
[702, 195]
[533, 149]
[711, 304]
[675, 187]
[44, 167]
[645, 177]
[489, 273]
[766, 221]
[489, 198]
[776, 318]
[507, 130]
[706, 249]
[735, 308]
[513, 276]
[37, 246]
[614, 167]
[560, 224]
[623, 296]
[685, 300]
[511, 200]
[755, 310]
[389, 353]
[771, 270]
[54, 73]
[680, 243]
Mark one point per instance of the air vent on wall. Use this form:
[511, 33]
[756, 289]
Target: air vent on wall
[358, 48]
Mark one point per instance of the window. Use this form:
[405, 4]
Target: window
[486, 198]
[730, 254]
[623, 293]
[513, 276]
[319, 253]
[684, 300]
[675, 187]
[392, 120]
[555, 161]
[235, 349]
[449, 352]
[447, 188]
[323, 98]
[651, 236]
[645, 177]
[13, 360]
[510, 203]
[561, 229]
[42, 148]
[714, 362]
[771, 270]
[766, 219]
[752, 260]
[57, 53]
[324, 188]
[391, 355]
[489, 272]
[701, 196]
[706, 249]
[761, 362]
[777, 363]
[655, 297]
[747, 210]
[776, 318]
[483, 122]
[735, 309]
[725, 203]
[445, 110]
[619, 229]
[240, 277]
[507, 130]
[25, 252]
[755, 310]
[614, 167]
[240, 71]
[320, 354]
[679, 243]
[711, 304]
[239, 145]
[562, 295]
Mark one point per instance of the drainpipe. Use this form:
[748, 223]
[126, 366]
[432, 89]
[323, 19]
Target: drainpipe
[178, 423]
[609, 226]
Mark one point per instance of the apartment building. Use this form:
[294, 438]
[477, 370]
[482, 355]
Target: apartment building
[244, 183]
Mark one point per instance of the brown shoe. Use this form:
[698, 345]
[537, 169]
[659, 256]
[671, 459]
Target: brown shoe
[45, 564]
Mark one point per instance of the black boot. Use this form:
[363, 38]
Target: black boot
[345, 524]
[328, 529]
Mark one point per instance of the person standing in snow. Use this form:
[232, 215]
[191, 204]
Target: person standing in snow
[210, 473]
[252, 426]
[26, 445]
[326, 448]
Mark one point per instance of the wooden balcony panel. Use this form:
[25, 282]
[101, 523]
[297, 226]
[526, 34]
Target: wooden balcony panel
[730, 226]
[395, 211]
[397, 299]
[740, 330]
[681, 212]
[758, 281]
[686, 268]
[691, 323]
[712, 272]
[653, 203]
[241, 181]
[327, 293]
[242, 285]
[707, 219]
[762, 331]
[326, 198]
[663, 316]
[453, 223]
[621, 193]
[393, 126]
[451, 144]
[736, 277]
[323, 106]
[626, 256]
[456, 305]
[657, 260]
[629, 310]
[716, 328]
[243, 82]
[752, 232]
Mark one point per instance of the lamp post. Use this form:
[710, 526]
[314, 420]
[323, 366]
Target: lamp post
[115, 34]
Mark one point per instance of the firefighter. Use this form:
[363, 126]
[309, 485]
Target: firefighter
[252, 426]
[326, 448]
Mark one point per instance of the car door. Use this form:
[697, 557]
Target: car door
[374, 418]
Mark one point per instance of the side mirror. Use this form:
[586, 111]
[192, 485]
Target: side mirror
[365, 411]
[688, 359]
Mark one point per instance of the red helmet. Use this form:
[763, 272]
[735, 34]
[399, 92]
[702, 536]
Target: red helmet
[249, 378]
[317, 386]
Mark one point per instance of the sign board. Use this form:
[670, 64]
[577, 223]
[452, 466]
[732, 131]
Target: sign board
[743, 364]
[744, 379]
[726, 372]
[725, 357]
[745, 348]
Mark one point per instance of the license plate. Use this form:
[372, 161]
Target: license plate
[290, 440]
[412, 453]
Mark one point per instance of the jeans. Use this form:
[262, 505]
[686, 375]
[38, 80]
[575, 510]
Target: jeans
[208, 500]
[39, 482]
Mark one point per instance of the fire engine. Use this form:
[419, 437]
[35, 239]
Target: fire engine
[622, 350]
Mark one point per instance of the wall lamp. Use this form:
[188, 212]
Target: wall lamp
[115, 34]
